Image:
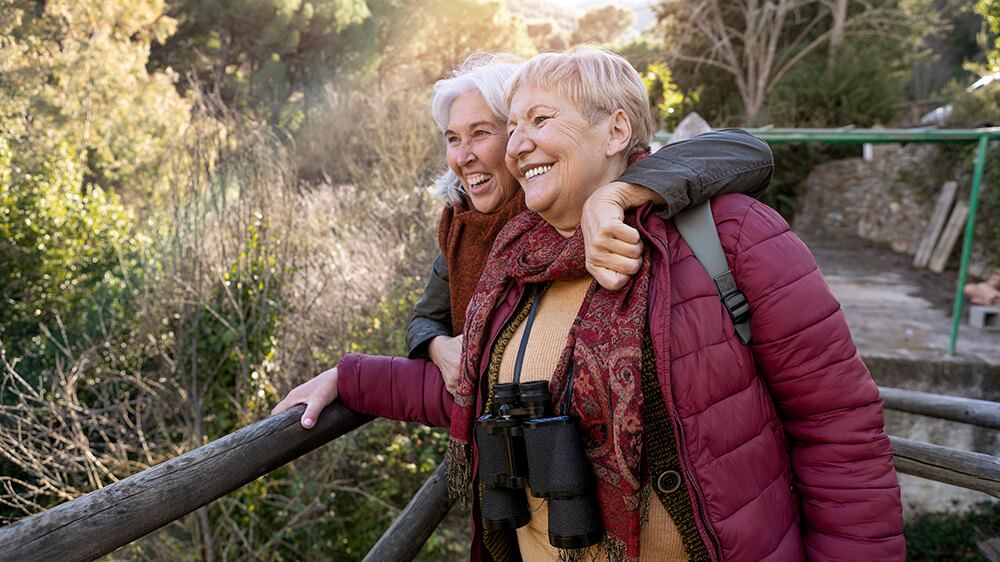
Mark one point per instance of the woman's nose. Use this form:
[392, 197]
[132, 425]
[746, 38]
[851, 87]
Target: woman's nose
[517, 144]
[466, 155]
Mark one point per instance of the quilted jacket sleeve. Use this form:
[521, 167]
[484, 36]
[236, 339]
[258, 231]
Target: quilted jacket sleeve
[394, 387]
[829, 405]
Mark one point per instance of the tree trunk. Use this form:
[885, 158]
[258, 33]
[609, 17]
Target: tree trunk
[837, 31]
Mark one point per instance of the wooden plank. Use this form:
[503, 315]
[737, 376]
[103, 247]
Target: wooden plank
[966, 410]
[939, 257]
[103, 520]
[974, 471]
[408, 533]
[945, 199]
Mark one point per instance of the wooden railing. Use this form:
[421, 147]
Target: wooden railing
[97, 523]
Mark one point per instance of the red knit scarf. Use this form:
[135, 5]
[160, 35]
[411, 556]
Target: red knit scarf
[466, 236]
[604, 351]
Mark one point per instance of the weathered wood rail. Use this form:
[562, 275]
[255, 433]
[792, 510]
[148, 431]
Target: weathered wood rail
[102, 521]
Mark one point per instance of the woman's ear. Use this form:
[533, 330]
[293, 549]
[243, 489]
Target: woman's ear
[619, 132]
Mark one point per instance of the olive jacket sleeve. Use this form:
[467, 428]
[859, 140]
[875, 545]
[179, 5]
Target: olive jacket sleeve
[693, 171]
[432, 313]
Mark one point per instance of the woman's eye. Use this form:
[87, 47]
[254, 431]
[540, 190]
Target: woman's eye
[481, 133]
[540, 119]
[451, 140]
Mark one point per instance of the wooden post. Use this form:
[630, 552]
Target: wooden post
[939, 257]
[103, 520]
[974, 471]
[408, 533]
[966, 410]
[944, 202]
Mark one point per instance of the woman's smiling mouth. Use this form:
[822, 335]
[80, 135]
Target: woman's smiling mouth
[536, 171]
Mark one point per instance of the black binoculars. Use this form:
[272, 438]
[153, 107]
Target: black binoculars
[523, 443]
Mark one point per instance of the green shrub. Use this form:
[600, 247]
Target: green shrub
[861, 89]
[69, 260]
[942, 537]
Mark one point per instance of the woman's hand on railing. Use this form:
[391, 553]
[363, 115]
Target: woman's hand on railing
[446, 353]
[316, 393]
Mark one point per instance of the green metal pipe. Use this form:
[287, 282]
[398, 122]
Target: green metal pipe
[848, 135]
[977, 177]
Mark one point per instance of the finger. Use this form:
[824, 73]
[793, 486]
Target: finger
[281, 407]
[617, 230]
[309, 418]
[609, 279]
[609, 252]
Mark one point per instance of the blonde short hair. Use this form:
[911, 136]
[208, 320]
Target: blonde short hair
[486, 73]
[597, 81]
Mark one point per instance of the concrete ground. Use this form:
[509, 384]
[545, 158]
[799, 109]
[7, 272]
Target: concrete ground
[897, 310]
[901, 320]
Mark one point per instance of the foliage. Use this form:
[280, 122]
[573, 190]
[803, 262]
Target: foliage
[792, 165]
[756, 45]
[952, 536]
[602, 25]
[420, 41]
[861, 89]
[257, 54]
[668, 105]
[73, 73]
[546, 35]
[990, 10]
[68, 258]
[978, 108]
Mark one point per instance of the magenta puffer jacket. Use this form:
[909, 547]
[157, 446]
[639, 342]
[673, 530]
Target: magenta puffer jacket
[782, 439]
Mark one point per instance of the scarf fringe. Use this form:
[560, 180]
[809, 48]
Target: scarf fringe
[613, 550]
[459, 471]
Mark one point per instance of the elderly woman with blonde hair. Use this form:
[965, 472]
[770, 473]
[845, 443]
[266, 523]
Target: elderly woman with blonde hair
[695, 445]
[483, 197]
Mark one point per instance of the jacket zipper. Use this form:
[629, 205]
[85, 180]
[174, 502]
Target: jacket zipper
[699, 497]
[688, 473]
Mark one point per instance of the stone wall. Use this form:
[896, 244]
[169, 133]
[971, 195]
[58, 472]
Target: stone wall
[873, 200]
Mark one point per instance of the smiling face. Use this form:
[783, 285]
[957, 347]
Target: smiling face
[476, 142]
[559, 157]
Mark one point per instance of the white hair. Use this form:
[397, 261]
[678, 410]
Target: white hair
[486, 73]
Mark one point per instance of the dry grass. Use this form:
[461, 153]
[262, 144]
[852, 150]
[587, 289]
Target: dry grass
[274, 268]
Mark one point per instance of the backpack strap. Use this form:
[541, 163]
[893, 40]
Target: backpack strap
[696, 226]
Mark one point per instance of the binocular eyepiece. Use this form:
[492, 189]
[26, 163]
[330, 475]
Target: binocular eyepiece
[524, 444]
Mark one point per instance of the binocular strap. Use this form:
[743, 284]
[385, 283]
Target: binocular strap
[662, 457]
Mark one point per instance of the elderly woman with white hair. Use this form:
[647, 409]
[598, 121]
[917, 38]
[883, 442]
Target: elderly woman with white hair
[692, 444]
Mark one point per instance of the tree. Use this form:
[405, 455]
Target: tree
[421, 41]
[546, 35]
[757, 43]
[74, 73]
[990, 10]
[602, 25]
[258, 54]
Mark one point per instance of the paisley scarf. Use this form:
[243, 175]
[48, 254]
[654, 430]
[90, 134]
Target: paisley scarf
[604, 352]
[466, 236]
